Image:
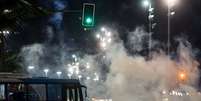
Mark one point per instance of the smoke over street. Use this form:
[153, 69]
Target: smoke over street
[125, 77]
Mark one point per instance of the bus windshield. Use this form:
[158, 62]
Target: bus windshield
[42, 91]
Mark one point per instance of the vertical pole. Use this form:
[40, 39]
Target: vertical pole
[150, 29]
[168, 41]
[1, 50]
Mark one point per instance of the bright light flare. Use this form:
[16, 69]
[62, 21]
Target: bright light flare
[31, 67]
[98, 36]
[70, 70]
[59, 74]
[182, 76]
[146, 3]
[46, 71]
[88, 66]
[108, 34]
[172, 13]
[103, 29]
[73, 56]
[109, 40]
[96, 78]
[103, 45]
[171, 3]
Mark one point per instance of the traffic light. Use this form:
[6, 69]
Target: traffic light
[88, 14]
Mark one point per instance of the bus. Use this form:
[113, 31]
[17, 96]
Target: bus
[41, 89]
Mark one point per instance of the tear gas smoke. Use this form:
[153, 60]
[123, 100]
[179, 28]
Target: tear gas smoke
[125, 77]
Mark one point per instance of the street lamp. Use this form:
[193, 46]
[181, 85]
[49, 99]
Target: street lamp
[147, 4]
[69, 76]
[182, 76]
[46, 71]
[170, 4]
[31, 70]
[31, 67]
[59, 74]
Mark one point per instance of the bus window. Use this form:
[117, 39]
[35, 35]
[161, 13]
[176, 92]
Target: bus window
[16, 92]
[84, 94]
[36, 92]
[54, 92]
[72, 94]
[2, 92]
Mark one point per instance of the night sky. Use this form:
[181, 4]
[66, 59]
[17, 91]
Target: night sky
[124, 15]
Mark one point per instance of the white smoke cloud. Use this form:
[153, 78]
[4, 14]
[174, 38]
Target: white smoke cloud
[130, 78]
[134, 78]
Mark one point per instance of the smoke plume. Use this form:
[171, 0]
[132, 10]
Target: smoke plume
[125, 77]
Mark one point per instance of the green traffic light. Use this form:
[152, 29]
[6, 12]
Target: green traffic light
[88, 20]
[88, 15]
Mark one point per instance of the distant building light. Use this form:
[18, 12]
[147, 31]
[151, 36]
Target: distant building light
[172, 13]
[7, 11]
[7, 32]
[4, 32]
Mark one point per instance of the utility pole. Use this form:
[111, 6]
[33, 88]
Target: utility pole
[1, 49]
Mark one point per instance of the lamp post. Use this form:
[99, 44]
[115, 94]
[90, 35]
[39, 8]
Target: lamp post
[147, 4]
[59, 74]
[46, 72]
[170, 4]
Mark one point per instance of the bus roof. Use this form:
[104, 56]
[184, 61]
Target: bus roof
[50, 81]
[39, 81]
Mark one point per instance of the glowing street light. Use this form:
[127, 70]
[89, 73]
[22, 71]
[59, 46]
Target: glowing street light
[6, 11]
[172, 13]
[146, 3]
[182, 76]
[4, 32]
[59, 74]
[69, 76]
[46, 72]
[31, 67]
[171, 3]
